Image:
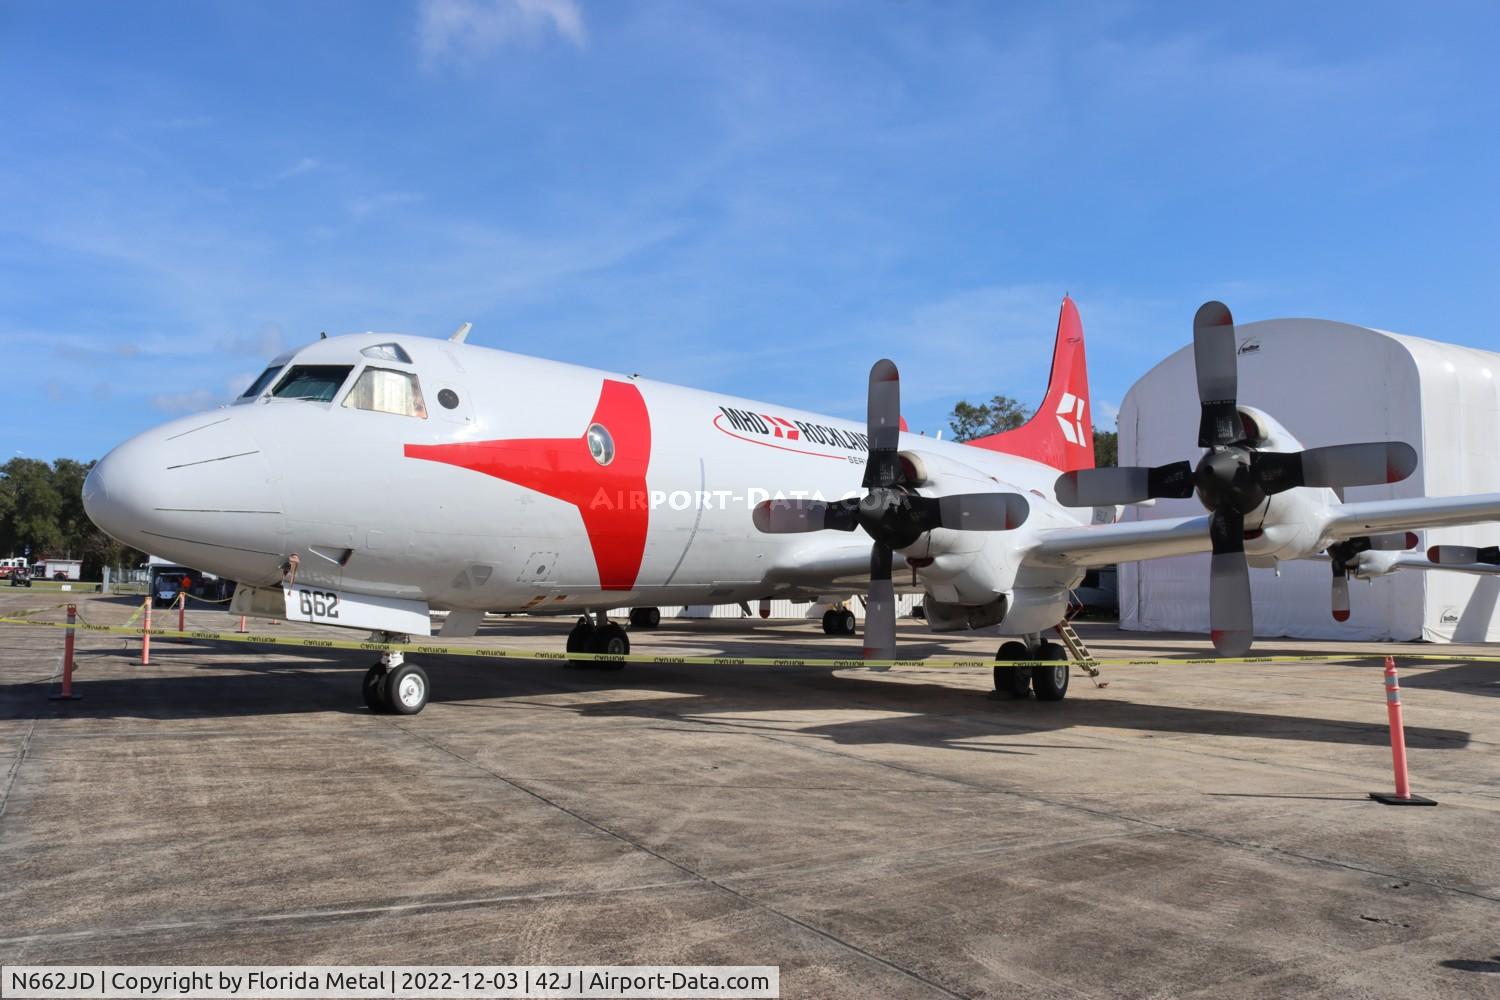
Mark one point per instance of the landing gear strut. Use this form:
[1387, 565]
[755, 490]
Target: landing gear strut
[1047, 674]
[599, 636]
[394, 686]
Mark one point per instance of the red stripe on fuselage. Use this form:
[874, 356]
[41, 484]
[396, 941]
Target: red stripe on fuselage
[612, 499]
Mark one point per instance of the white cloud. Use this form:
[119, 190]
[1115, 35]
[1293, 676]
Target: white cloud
[469, 30]
[185, 402]
[361, 208]
[266, 343]
[306, 165]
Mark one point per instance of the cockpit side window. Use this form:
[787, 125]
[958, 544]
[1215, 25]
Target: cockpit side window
[318, 383]
[259, 385]
[387, 391]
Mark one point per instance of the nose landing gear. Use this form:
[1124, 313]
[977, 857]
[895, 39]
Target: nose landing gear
[395, 687]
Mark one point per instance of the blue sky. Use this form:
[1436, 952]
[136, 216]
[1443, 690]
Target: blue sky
[760, 198]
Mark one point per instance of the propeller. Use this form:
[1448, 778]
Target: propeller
[891, 512]
[1233, 477]
[1341, 556]
[1456, 555]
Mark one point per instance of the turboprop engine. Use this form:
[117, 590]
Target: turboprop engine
[893, 512]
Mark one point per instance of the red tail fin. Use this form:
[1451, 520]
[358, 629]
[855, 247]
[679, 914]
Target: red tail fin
[1061, 434]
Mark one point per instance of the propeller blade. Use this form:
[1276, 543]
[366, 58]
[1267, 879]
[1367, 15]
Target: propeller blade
[1218, 375]
[1109, 487]
[1230, 613]
[787, 517]
[1368, 464]
[982, 511]
[883, 425]
[880, 607]
[1398, 542]
[1459, 555]
[1340, 595]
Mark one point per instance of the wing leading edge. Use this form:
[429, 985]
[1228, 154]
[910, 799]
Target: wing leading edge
[1104, 544]
[1370, 516]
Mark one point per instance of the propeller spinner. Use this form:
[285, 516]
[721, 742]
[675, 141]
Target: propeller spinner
[1233, 478]
[891, 512]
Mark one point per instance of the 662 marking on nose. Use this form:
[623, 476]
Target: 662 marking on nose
[314, 605]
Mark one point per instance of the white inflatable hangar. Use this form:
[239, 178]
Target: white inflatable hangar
[1331, 383]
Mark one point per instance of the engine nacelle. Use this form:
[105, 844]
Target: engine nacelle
[1287, 522]
[945, 617]
[962, 569]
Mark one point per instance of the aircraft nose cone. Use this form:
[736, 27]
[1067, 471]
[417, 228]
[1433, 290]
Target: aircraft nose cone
[196, 490]
[118, 493]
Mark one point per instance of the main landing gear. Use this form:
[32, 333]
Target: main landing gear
[1047, 675]
[396, 687]
[838, 621]
[645, 617]
[599, 636]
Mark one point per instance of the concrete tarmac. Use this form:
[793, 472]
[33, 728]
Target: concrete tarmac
[1186, 831]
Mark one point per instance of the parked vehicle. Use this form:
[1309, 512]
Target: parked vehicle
[20, 576]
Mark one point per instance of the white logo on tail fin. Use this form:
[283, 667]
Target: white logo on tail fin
[1071, 406]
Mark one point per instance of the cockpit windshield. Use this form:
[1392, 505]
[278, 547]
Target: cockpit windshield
[385, 390]
[318, 383]
[259, 385]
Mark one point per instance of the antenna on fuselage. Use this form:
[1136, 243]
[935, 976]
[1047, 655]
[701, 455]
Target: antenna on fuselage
[462, 333]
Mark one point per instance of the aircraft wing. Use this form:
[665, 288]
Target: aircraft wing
[1104, 544]
[1372, 516]
[838, 568]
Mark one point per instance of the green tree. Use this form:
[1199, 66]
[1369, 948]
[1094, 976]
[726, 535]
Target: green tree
[41, 505]
[968, 421]
[1106, 448]
[36, 508]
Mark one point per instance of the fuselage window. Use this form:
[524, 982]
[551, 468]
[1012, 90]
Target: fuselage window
[318, 383]
[259, 385]
[387, 391]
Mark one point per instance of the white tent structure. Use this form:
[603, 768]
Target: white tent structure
[1331, 383]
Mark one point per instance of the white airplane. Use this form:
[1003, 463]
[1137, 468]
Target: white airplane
[367, 480]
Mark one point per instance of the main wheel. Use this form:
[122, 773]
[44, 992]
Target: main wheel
[374, 691]
[1049, 678]
[645, 617]
[830, 622]
[406, 688]
[1014, 681]
[581, 640]
[847, 622]
[611, 639]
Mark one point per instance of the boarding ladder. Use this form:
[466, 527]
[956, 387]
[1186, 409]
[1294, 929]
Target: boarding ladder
[1076, 649]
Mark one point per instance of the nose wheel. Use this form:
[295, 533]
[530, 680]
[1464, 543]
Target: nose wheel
[395, 687]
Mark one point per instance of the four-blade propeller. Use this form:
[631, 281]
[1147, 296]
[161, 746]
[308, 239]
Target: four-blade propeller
[891, 512]
[1233, 477]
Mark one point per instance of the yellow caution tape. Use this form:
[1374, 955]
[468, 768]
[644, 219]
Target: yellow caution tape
[510, 653]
